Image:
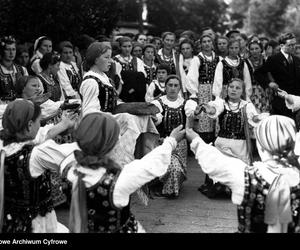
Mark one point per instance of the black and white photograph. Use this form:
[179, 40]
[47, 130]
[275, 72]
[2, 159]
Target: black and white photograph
[148, 116]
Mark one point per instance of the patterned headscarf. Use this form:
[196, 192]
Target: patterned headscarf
[96, 135]
[276, 134]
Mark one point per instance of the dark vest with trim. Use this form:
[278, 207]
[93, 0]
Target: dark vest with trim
[251, 212]
[172, 118]
[25, 197]
[207, 70]
[107, 95]
[232, 124]
[7, 84]
[103, 216]
[53, 89]
[74, 77]
[230, 72]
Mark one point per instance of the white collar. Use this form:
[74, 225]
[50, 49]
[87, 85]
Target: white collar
[102, 77]
[285, 54]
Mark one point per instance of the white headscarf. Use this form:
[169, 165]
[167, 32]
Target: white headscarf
[37, 42]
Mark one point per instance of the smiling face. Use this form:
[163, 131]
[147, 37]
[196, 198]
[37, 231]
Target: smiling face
[104, 61]
[32, 89]
[235, 90]
[172, 89]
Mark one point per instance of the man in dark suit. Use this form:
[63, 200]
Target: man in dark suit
[283, 71]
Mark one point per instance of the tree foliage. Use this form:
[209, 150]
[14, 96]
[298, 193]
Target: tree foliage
[59, 19]
[269, 17]
[172, 15]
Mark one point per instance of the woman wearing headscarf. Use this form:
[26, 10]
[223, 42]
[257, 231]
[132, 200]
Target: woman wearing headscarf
[41, 46]
[26, 205]
[267, 193]
[101, 187]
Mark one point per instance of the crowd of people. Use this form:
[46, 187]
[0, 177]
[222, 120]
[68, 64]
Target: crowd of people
[88, 123]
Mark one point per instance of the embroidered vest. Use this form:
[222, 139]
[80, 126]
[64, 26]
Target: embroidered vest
[53, 89]
[151, 74]
[103, 216]
[207, 70]
[25, 197]
[230, 72]
[7, 83]
[172, 118]
[107, 95]
[232, 124]
[252, 209]
[132, 66]
[74, 77]
[157, 92]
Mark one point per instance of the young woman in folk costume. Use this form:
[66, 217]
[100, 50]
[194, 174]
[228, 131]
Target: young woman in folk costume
[171, 115]
[68, 74]
[28, 87]
[200, 84]
[26, 202]
[231, 67]
[149, 53]
[9, 71]
[102, 188]
[186, 56]
[235, 115]
[132, 72]
[42, 45]
[267, 193]
[48, 77]
[167, 54]
[99, 95]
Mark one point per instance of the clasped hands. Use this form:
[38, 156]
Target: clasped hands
[179, 133]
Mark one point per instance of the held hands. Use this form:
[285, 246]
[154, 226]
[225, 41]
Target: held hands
[178, 133]
[273, 85]
[191, 134]
[209, 109]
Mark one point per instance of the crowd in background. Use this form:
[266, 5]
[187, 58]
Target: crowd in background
[220, 88]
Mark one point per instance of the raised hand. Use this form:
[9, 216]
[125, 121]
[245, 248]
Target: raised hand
[178, 133]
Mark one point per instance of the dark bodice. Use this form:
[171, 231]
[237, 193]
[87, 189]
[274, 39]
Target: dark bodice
[207, 70]
[230, 72]
[172, 118]
[107, 95]
[74, 77]
[53, 88]
[25, 197]
[232, 124]
[7, 83]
